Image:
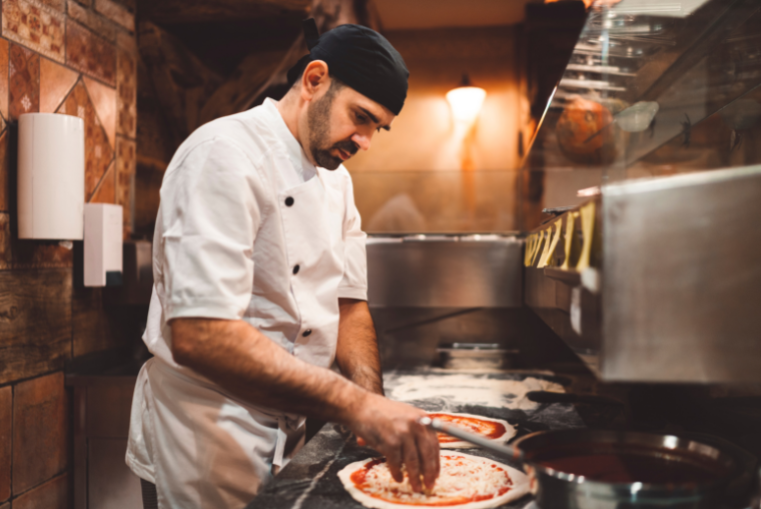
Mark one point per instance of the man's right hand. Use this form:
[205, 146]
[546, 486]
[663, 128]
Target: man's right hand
[394, 430]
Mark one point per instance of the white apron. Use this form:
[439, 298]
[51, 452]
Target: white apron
[202, 447]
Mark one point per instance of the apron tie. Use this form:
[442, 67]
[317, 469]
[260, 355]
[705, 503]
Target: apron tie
[289, 439]
[282, 438]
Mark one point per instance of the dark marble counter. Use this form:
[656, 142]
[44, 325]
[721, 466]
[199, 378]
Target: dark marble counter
[310, 480]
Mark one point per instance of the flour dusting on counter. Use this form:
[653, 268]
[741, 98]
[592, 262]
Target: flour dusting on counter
[470, 389]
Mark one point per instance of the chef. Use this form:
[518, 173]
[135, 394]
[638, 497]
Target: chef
[260, 287]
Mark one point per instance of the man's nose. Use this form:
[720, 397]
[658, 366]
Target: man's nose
[362, 140]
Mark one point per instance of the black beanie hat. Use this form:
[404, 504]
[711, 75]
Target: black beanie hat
[361, 58]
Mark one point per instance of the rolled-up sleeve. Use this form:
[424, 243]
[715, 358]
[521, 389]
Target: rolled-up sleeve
[354, 282]
[209, 220]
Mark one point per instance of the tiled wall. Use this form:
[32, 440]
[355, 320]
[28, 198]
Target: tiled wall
[74, 57]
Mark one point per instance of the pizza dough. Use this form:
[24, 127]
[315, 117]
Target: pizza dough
[465, 482]
[450, 391]
[494, 429]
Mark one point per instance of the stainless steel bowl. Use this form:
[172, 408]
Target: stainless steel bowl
[724, 485]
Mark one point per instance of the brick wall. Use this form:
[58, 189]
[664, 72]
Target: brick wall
[76, 58]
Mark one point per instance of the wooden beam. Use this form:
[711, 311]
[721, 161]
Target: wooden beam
[261, 73]
[182, 83]
[235, 94]
[207, 11]
[328, 14]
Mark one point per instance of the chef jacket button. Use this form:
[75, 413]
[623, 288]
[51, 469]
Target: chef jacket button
[307, 332]
[296, 269]
[288, 201]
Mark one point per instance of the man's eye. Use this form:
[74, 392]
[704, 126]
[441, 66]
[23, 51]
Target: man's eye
[361, 119]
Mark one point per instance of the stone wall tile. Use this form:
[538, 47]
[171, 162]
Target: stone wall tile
[40, 254]
[56, 81]
[6, 420]
[90, 53]
[98, 151]
[126, 41]
[4, 46]
[24, 81]
[6, 255]
[40, 426]
[36, 328]
[4, 173]
[59, 5]
[36, 26]
[126, 94]
[92, 20]
[97, 327]
[106, 191]
[126, 161]
[116, 13]
[129, 4]
[104, 100]
[54, 494]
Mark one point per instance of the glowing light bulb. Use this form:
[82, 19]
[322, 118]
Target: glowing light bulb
[466, 102]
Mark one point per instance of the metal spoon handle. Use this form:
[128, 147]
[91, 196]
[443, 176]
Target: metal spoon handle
[503, 451]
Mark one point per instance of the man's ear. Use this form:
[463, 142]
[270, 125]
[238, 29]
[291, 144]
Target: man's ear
[314, 79]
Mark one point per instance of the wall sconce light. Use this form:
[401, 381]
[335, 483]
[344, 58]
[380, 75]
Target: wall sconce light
[466, 101]
[51, 176]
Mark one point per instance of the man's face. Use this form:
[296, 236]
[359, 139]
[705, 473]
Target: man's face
[341, 122]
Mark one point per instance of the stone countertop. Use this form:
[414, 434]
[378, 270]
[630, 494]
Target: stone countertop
[310, 480]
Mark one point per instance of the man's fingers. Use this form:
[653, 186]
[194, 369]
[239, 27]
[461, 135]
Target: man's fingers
[412, 462]
[394, 461]
[428, 445]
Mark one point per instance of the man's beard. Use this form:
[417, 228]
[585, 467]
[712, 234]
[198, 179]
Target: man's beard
[318, 118]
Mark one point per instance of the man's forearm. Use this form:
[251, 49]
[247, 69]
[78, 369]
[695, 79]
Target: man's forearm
[357, 349]
[247, 364]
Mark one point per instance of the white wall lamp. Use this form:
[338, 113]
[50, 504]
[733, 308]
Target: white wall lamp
[466, 101]
[51, 195]
[51, 176]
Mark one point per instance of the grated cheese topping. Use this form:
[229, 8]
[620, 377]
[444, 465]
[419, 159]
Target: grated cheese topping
[462, 479]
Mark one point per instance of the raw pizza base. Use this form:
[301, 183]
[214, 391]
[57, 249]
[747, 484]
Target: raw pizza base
[519, 489]
[509, 432]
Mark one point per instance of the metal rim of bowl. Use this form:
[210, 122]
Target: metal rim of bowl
[638, 486]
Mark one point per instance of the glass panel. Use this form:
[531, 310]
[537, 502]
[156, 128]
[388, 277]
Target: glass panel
[655, 88]
[403, 202]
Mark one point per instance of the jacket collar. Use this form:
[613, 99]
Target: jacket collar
[296, 154]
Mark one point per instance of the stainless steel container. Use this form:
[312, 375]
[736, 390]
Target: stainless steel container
[726, 483]
[474, 356]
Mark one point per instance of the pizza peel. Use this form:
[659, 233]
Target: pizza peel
[502, 451]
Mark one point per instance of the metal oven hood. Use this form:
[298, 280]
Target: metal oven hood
[673, 288]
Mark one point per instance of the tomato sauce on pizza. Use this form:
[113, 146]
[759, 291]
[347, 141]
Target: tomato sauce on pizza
[493, 429]
[463, 480]
[486, 428]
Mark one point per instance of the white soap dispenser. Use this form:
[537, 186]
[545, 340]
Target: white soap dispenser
[103, 245]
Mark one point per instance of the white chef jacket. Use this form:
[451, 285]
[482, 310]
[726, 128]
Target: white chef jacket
[247, 229]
